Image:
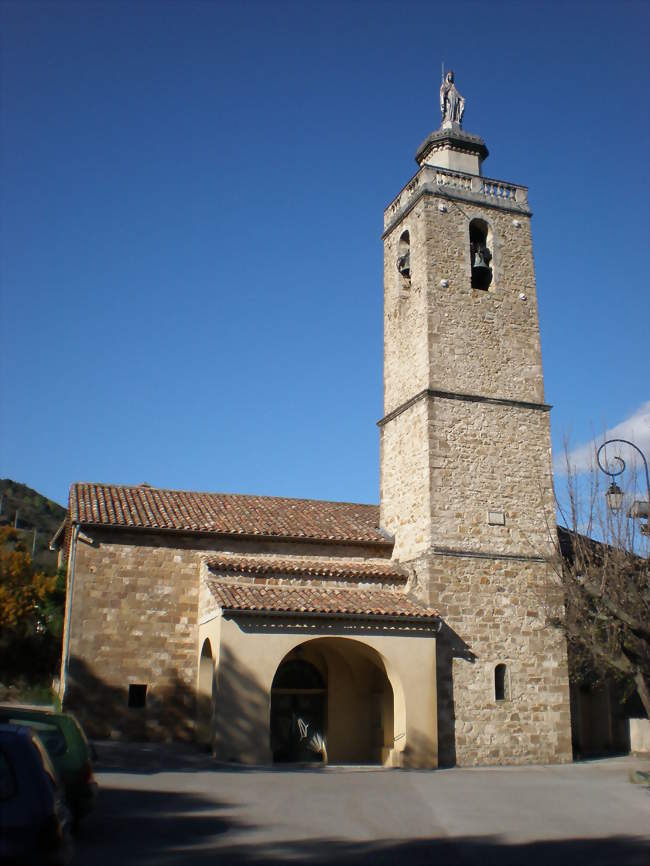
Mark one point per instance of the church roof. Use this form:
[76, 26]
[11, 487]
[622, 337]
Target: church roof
[331, 601]
[144, 507]
[310, 567]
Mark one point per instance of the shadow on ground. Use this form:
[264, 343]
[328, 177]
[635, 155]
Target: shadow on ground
[129, 826]
[465, 852]
[142, 827]
[150, 758]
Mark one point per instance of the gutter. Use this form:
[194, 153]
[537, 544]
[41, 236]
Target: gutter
[65, 659]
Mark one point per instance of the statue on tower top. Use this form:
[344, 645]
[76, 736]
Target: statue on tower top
[452, 104]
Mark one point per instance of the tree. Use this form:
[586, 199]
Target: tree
[605, 572]
[31, 605]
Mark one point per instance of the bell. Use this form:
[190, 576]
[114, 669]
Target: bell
[481, 276]
[481, 270]
[479, 260]
[404, 264]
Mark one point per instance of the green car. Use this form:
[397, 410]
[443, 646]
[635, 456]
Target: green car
[68, 748]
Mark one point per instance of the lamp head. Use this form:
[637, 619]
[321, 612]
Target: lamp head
[614, 497]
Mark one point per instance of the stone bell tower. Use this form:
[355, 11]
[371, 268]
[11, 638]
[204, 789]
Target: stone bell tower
[466, 484]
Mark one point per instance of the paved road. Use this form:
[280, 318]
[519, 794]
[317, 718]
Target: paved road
[178, 807]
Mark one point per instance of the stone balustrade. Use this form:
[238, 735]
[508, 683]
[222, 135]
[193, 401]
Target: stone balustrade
[454, 179]
[457, 184]
[499, 189]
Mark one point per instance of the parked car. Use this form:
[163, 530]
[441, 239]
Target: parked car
[68, 748]
[35, 822]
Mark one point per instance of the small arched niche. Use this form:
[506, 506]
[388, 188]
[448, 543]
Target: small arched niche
[501, 685]
[404, 257]
[206, 694]
[481, 248]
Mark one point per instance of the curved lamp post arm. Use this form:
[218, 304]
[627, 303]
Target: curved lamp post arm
[614, 494]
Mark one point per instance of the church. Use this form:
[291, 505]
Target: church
[413, 633]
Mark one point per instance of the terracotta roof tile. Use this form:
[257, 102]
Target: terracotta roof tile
[323, 600]
[225, 513]
[310, 567]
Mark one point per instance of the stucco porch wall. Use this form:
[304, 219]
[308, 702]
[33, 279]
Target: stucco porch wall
[250, 649]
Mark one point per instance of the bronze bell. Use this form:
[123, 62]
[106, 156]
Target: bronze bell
[404, 264]
[481, 270]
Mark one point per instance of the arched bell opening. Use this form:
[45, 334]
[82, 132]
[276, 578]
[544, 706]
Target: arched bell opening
[404, 257]
[205, 695]
[331, 699]
[481, 253]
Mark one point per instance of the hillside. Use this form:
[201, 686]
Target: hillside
[35, 512]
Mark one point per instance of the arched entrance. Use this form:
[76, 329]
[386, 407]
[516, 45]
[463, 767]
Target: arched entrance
[336, 687]
[298, 711]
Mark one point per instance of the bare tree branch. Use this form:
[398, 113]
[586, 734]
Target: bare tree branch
[605, 576]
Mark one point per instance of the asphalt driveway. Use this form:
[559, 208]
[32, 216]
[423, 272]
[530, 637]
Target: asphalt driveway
[175, 805]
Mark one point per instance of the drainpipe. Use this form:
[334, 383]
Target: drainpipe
[68, 612]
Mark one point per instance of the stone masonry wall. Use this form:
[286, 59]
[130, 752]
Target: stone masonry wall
[487, 458]
[405, 481]
[456, 338]
[495, 612]
[447, 461]
[445, 464]
[135, 619]
[406, 356]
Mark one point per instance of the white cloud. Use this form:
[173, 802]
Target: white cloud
[636, 429]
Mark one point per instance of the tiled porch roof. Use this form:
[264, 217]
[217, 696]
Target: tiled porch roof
[305, 600]
[143, 507]
[312, 567]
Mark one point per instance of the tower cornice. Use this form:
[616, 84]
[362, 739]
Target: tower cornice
[455, 139]
[467, 398]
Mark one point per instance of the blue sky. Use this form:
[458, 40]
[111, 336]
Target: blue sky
[191, 290]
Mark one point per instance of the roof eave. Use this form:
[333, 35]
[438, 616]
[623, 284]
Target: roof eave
[433, 620]
[379, 544]
[54, 543]
[217, 568]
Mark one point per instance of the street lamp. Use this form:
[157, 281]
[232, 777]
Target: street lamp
[614, 494]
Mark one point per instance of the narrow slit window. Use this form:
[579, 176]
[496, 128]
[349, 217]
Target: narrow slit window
[500, 683]
[137, 696]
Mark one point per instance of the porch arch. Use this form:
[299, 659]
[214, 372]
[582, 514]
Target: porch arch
[343, 689]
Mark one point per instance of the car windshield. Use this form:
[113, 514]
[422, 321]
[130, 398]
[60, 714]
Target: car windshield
[49, 734]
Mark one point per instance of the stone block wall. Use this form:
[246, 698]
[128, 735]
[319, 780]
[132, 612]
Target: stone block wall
[496, 612]
[454, 337]
[134, 620]
[447, 465]
[405, 480]
[490, 459]
[406, 351]
[466, 483]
